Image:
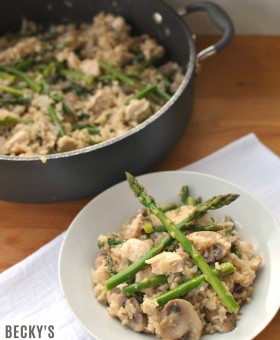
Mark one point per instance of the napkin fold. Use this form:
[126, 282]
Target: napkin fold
[29, 291]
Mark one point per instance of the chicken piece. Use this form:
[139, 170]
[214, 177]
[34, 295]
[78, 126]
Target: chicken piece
[17, 142]
[90, 67]
[166, 263]
[71, 58]
[134, 228]
[151, 49]
[101, 274]
[66, 143]
[133, 248]
[138, 110]
[212, 245]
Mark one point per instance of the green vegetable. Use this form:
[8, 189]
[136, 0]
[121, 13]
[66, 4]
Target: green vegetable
[126, 274]
[11, 90]
[110, 266]
[186, 287]
[169, 207]
[127, 80]
[146, 283]
[142, 93]
[21, 75]
[6, 76]
[236, 251]
[15, 101]
[21, 64]
[56, 121]
[194, 227]
[184, 194]
[151, 205]
[206, 227]
[67, 108]
[8, 121]
[163, 94]
[190, 201]
[77, 76]
[148, 227]
[116, 73]
[113, 242]
[92, 130]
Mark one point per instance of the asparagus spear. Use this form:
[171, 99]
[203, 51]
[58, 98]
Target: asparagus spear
[113, 242]
[21, 75]
[142, 93]
[56, 121]
[15, 101]
[151, 205]
[169, 207]
[8, 77]
[92, 130]
[8, 121]
[184, 194]
[77, 76]
[127, 80]
[186, 287]
[146, 283]
[21, 64]
[236, 251]
[117, 74]
[199, 211]
[164, 95]
[11, 90]
[193, 227]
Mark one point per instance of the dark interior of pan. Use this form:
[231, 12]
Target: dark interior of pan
[86, 172]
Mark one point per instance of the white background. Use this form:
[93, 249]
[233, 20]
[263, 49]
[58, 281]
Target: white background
[252, 17]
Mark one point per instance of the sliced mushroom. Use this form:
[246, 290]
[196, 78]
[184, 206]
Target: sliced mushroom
[226, 325]
[212, 245]
[139, 320]
[180, 320]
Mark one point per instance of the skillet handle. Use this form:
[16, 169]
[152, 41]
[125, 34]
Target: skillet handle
[219, 18]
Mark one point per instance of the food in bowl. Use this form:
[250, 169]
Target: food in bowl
[73, 86]
[175, 271]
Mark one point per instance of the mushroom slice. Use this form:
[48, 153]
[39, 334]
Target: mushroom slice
[180, 320]
[139, 320]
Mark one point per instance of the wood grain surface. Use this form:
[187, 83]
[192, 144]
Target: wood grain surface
[237, 92]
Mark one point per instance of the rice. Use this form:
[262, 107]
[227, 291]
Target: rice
[179, 267]
[77, 101]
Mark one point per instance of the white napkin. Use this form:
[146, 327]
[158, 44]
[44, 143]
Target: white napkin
[30, 292]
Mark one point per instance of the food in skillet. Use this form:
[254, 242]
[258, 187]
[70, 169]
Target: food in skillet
[175, 271]
[73, 86]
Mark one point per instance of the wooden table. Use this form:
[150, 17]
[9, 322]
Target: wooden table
[237, 92]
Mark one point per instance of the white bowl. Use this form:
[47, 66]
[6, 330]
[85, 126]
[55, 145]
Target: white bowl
[110, 209]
